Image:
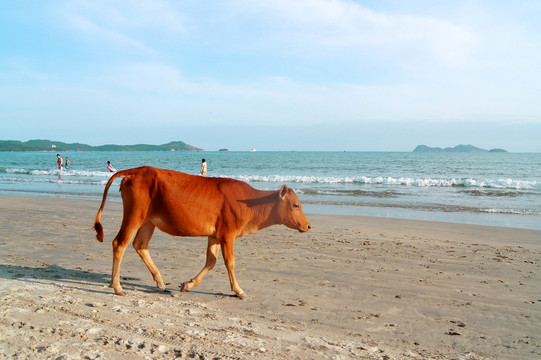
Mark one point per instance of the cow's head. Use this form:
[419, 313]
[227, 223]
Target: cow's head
[290, 210]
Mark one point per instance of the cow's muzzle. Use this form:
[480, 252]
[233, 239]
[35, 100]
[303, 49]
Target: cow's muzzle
[305, 228]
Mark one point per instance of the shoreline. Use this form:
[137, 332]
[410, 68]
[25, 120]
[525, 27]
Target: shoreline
[353, 287]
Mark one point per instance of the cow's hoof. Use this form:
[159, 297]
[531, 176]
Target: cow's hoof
[241, 296]
[184, 287]
[120, 293]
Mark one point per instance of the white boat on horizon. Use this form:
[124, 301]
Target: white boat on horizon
[253, 150]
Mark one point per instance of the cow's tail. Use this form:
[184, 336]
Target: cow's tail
[97, 224]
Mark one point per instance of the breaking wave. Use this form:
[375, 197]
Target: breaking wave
[397, 181]
[56, 172]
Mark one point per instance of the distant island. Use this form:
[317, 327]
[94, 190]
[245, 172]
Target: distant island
[57, 146]
[456, 149]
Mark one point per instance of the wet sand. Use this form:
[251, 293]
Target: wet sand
[353, 287]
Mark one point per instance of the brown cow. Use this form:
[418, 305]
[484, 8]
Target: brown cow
[190, 205]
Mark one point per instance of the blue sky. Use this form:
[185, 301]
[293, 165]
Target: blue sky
[273, 74]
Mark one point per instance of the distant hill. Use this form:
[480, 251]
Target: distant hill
[456, 149]
[48, 145]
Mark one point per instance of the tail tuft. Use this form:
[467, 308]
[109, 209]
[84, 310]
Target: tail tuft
[99, 231]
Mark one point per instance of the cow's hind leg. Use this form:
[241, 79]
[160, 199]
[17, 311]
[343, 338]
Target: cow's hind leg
[213, 249]
[140, 243]
[120, 243]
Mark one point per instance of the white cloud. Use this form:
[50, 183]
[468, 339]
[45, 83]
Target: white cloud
[328, 25]
[82, 24]
[123, 23]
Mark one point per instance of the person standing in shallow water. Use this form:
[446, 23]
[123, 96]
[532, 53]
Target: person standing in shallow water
[59, 161]
[203, 167]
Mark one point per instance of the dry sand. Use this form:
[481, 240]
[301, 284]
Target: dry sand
[353, 287]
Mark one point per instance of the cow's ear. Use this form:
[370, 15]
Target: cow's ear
[283, 192]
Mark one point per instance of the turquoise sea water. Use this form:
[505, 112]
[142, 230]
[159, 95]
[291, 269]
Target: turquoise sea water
[501, 189]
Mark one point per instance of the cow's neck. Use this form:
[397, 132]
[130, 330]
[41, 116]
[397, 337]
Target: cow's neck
[263, 205]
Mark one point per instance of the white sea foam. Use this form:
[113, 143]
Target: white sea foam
[16, 171]
[57, 180]
[510, 211]
[401, 181]
[71, 173]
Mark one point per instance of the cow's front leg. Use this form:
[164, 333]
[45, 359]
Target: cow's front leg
[228, 247]
[213, 249]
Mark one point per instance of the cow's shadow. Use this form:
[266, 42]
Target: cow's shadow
[67, 278]
[80, 279]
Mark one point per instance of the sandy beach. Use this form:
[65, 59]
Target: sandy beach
[352, 288]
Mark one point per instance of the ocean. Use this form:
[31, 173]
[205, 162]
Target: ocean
[497, 189]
